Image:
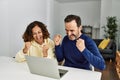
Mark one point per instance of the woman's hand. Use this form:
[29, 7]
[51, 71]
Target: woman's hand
[45, 50]
[27, 46]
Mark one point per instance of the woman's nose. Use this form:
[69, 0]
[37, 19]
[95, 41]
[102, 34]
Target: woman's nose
[37, 35]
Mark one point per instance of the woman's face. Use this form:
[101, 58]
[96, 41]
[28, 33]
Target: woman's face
[37, 34]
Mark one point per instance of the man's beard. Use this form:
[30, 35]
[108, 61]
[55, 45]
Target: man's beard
[72, 37]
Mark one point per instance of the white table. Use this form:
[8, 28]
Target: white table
[12, 70]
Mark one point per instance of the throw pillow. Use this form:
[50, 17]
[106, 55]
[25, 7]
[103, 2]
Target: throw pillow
[103, 44]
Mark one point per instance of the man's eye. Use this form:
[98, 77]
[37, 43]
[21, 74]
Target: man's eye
[71, 30]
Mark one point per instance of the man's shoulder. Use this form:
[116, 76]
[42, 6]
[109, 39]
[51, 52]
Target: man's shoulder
[84, 36]
[65, 37]
[87, 38]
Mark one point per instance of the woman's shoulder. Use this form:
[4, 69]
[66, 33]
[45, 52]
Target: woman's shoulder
[48, 40]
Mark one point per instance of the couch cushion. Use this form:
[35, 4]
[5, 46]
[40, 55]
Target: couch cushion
[103, 44]
[105, 51]
[109, 44]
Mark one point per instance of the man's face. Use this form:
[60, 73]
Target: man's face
[72, 30]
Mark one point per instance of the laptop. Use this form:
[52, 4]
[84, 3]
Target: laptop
[45, 67]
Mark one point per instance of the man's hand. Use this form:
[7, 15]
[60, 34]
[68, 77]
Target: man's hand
[57, 39]
[80, 44]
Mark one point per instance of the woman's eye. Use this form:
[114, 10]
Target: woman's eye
[34, 33]
[39, 32]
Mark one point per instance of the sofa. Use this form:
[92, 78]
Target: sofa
[109, 52]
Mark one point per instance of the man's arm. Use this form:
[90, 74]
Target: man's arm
[92, 54]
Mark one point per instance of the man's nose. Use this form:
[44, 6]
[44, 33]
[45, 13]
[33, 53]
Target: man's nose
[69, 33]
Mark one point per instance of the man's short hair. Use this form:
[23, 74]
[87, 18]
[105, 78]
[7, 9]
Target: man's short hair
[71, 17]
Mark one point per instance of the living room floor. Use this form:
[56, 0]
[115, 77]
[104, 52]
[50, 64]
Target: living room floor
[110, 72]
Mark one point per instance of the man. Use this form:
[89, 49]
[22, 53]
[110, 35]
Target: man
[77, 49]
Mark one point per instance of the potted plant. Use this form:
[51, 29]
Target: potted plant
[111, 27]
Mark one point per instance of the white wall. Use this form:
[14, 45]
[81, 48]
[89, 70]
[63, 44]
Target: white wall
[50, 17]
[116, 12]
[56, 18]
[15, 15]
[110, 8]
[4, 31]
[89, 11]
[106, 6]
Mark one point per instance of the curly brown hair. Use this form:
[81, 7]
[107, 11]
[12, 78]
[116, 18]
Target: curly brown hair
[27, 36]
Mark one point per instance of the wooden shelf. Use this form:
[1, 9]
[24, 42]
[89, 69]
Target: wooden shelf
[87, 30]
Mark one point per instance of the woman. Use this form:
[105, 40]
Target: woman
[37, 42]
